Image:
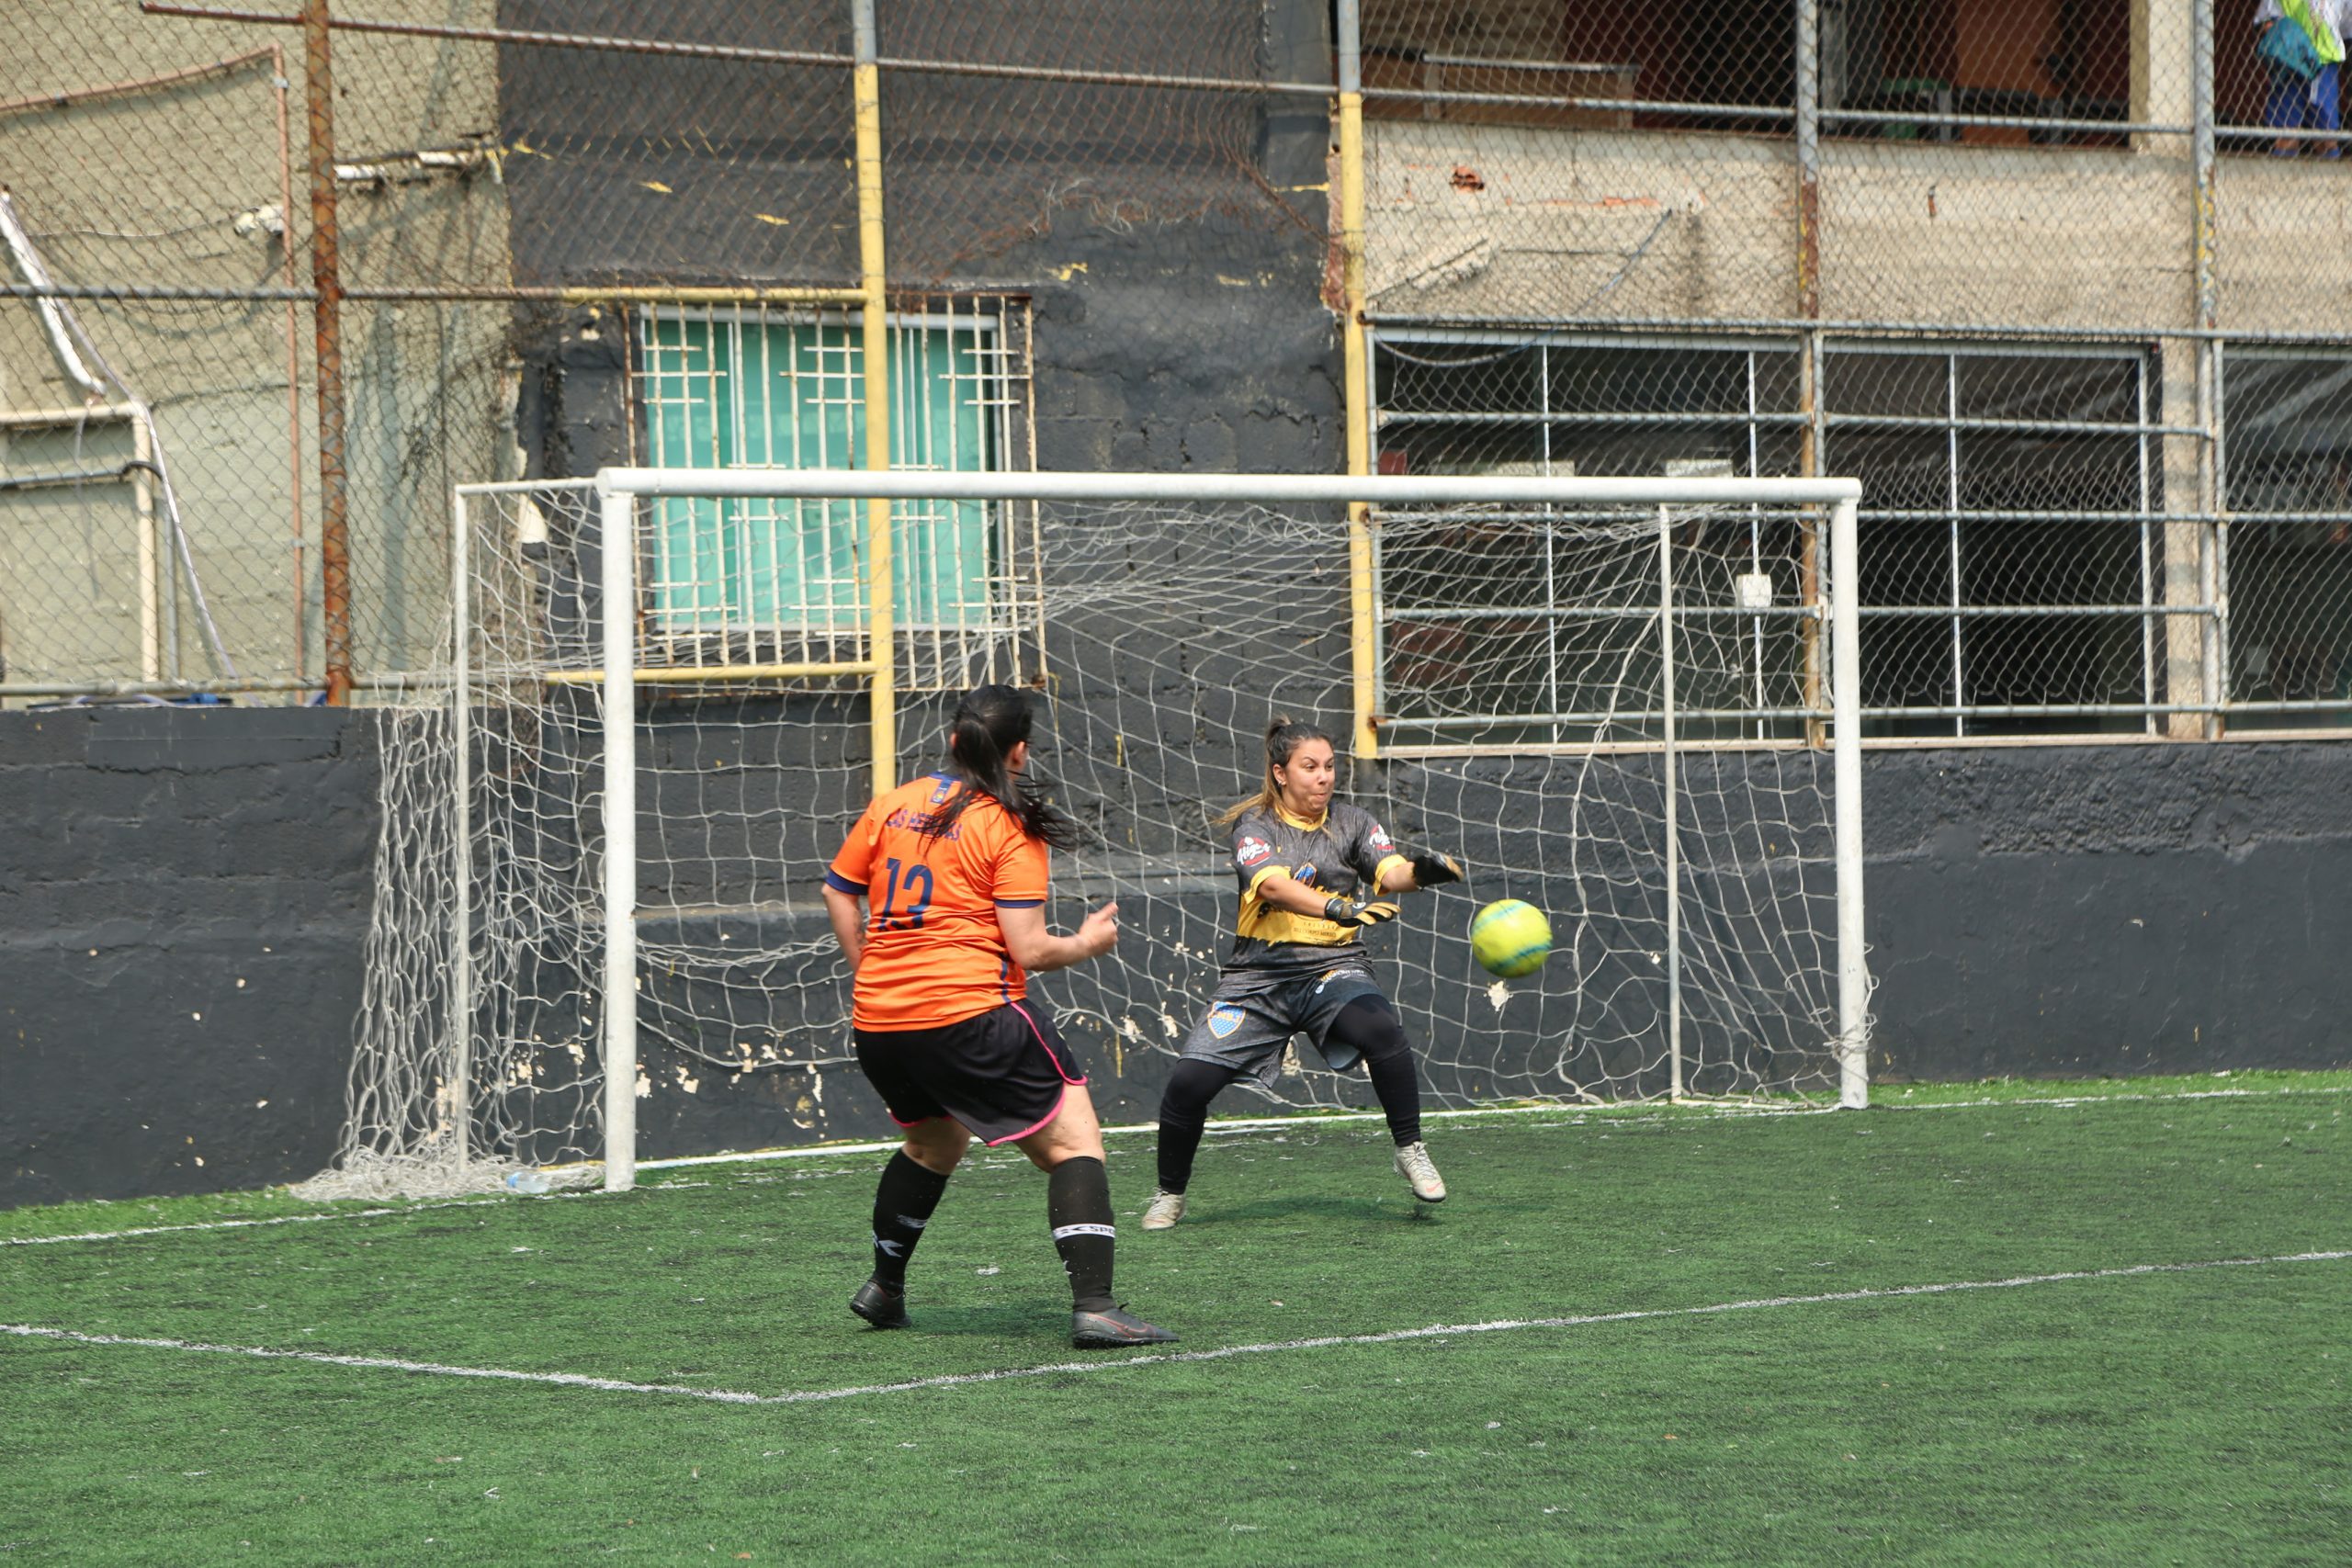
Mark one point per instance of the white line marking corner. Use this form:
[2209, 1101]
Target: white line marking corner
[958, 1380]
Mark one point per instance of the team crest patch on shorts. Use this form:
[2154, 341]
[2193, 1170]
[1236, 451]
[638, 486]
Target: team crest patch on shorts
[1224, 1020]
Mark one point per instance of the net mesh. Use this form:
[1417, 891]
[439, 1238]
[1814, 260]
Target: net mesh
[1526, 707]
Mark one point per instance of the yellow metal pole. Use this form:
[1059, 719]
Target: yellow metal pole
[1354, 356]
[880, 574]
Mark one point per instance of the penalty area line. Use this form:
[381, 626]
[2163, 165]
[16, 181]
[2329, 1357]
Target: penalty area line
[1442, 1331]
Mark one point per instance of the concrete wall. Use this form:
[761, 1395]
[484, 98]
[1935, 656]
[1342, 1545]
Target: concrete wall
[181, 924]
[145, 187]
[1519, 223]
[2109, 909]
[183, 900]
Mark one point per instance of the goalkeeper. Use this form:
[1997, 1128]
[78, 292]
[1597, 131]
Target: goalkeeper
[953, 869]
[1313, 872]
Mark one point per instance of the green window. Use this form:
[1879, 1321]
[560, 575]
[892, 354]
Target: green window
[755, 390]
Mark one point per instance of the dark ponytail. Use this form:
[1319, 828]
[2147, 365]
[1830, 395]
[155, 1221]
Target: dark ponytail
[989, 722]
[1284, 735]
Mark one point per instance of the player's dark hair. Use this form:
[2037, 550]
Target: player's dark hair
[1284, 735]
[989, 722]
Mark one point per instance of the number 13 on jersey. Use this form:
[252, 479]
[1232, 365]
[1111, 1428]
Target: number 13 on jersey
[891, 917]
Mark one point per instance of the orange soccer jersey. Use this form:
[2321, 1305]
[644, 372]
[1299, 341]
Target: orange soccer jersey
[935, 954]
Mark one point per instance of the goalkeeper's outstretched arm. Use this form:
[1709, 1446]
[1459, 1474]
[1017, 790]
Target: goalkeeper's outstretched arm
[1429, 869]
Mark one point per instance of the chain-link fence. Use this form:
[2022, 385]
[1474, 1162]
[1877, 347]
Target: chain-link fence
[2058, 279]
[2058, 282]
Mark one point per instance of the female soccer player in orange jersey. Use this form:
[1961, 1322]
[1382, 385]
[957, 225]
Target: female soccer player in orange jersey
[953, 870]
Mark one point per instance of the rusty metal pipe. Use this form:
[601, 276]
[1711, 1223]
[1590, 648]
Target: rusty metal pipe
[335, 537]
[137, 84]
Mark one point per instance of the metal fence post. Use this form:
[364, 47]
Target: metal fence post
[882, 571]
[334, 535]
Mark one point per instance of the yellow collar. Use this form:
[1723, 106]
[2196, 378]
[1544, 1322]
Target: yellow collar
[1305, 824]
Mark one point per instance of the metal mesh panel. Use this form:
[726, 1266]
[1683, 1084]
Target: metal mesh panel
[1784, 215]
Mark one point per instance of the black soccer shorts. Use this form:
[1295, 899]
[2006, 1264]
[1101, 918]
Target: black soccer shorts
[1003, 1073]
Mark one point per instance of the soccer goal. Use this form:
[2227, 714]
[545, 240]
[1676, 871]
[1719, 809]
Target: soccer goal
[1630, 702]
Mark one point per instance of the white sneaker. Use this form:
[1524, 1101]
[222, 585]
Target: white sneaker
[1414, 1165]
[1164, 1210]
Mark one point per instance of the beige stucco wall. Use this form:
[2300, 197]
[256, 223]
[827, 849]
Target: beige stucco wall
[1502, 223]
[146, 188]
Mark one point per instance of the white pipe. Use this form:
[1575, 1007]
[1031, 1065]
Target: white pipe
[52, 315]
[1389, 490]
[57, 419]
[151, 579]
[1846, 757]
[619, 524]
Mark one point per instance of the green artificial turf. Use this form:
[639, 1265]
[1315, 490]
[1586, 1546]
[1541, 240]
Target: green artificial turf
[2193, 1416]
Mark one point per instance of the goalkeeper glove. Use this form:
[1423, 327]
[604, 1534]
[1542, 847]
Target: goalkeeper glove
[1348, 912]
[1435, 870]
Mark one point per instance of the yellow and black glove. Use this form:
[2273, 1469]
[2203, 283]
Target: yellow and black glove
[1348, 912]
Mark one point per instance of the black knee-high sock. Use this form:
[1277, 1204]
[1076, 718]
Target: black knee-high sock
[1372, 1026]
[902, 1205]
[1077, 1205]
[1184, 1111]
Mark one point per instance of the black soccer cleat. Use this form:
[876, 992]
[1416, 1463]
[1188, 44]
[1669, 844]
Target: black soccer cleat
[880, 1306]
[1112, 1330]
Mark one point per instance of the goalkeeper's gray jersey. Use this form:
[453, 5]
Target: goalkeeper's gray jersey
[1344, 855]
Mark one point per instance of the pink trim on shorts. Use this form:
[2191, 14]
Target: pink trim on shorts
[917, 1121]
[1046, 1121]
[1040, 1036]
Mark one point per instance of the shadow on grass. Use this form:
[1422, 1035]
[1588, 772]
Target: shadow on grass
[1020, 1321]
[1308, 1206]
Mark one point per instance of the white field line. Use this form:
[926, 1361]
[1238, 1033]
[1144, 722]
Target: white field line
[959, 1380]
[255, 1224]
[1608, 1113]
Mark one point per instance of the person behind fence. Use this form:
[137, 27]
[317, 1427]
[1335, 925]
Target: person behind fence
[953, 870]
[2301, 46]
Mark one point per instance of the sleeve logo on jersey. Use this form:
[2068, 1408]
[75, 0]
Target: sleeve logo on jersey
[1224, 1020]
[1253, 851]
[1380, 839]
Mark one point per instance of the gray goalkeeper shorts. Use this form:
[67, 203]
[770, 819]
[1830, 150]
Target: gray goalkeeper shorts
[1248, 1032]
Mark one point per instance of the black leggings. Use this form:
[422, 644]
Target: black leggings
[1368, 1024]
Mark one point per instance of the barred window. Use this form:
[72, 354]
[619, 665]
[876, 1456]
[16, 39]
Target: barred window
[2287, 491]
[2013, 549]
[2011, 571]
[729, 388]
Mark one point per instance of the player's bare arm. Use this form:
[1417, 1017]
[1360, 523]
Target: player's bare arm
[847, 911]
[1040, 951]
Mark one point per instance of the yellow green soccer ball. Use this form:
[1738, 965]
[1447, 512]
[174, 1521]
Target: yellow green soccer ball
[1510, 939]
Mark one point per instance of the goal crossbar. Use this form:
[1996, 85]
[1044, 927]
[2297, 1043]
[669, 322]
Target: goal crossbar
[861, 484]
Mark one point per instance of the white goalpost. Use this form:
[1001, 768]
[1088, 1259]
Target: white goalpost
[1632, 702]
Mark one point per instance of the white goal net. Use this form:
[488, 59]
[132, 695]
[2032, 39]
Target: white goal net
[1665, 786]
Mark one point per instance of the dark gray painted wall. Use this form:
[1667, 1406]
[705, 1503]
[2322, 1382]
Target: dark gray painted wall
[2036, 911]
[182, 899]
[2096, 909]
